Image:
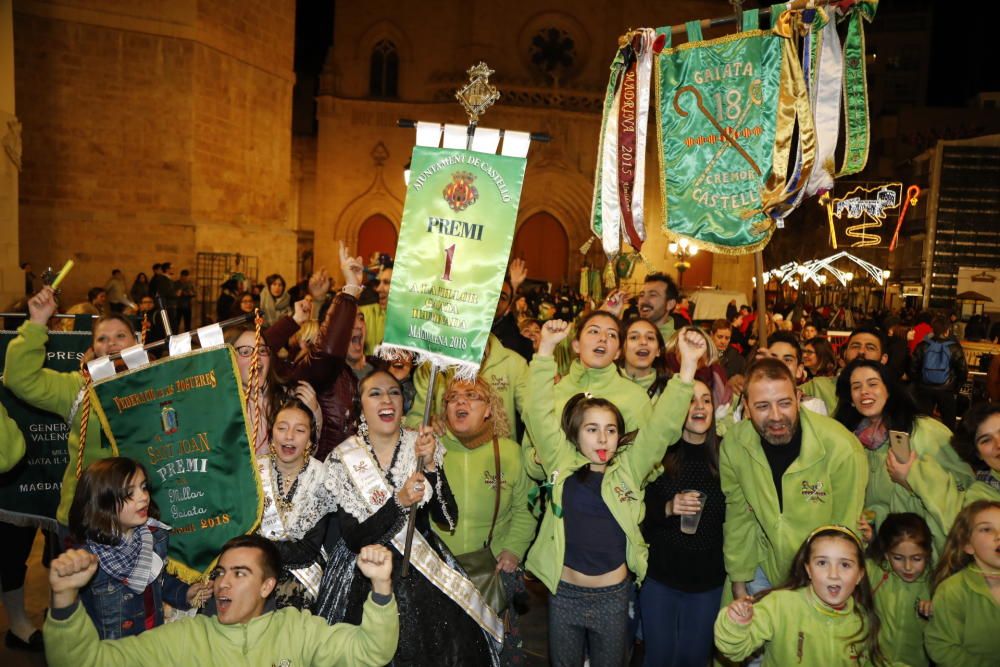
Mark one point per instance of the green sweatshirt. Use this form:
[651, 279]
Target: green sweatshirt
[943, 497]
[964, 630]
[795, 628]
[374, 326]
[287, 637]
[55, 392]
[930, 440]
[667, 329]
[505, 370]
[825, 484]
[823, 388]
[11, 442]
[471, 475]
[621, 487]
[901, 636]
[605, 383]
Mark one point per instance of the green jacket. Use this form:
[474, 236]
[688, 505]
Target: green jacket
[901, 636]
[823, 388]
[667, 330]
[825, 484]
[943, 495]
[795, 628]
[505, 370]
[621, 488]
[287, 637]
[11, 442]
[471, 475]
[374, 326]
[964, 630]
[930, 440]
[55, 392]
[605, 383]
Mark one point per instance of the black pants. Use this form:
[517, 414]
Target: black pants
[16, 541]
[594, 620]
[945, 400]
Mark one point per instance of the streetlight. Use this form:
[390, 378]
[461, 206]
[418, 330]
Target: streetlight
[885, 287]
[683, 249]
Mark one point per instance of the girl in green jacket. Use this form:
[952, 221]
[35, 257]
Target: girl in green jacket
[900, 579]
[963, 632]
[642, 360]
[589, 538]
[822, 615]
[597, 344]
[871, 404]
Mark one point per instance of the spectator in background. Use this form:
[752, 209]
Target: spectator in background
[186, 292]
[140, 287]
[161, 286]
[227, 300]
[94, 305]
[29, 279]
[731, 361]
[504, 323]
[819, 358]
[922, 328]
[939, 370]
[275, 301]
[117, 293]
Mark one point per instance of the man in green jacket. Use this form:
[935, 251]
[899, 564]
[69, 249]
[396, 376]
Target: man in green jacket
[784, 471]
[374, 313]
[657, 301]
[242, 633]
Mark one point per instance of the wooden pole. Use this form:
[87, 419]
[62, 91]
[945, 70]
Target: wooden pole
[758, 267]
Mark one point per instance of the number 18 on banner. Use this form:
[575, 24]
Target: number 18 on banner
[454, 242]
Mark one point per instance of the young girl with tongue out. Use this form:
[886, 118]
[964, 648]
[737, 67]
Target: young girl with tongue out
[589, 541]
[822, 615]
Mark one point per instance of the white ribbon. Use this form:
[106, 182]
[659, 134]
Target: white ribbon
[515, 144]
[210, 336]
[135, 357]
[101, 368]
[455, 136]
[486, 140]
[826, 108]
[179, 344]
[428, 134]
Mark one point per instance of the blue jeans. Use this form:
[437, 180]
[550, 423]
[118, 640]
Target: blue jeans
[677, 626]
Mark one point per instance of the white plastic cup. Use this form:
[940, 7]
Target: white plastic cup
[689, 522]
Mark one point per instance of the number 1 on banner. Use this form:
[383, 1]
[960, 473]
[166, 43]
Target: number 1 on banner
[449, 254]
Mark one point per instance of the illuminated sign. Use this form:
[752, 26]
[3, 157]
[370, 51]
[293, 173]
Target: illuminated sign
[869, 207]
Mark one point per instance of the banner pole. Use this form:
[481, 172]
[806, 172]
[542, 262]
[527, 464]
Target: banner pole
[411, 521]
[758, 267]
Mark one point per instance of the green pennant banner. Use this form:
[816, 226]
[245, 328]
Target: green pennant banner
[729, 111]
[184, 419]
[454, 242]
[29, 492]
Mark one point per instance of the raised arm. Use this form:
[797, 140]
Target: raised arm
[24, 372]
[540, 418]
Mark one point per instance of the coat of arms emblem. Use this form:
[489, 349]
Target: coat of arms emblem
[461, 193]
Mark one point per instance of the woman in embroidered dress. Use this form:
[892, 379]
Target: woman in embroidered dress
[288, 475]
[374, 479]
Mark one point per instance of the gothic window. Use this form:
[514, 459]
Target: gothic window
[384, 75]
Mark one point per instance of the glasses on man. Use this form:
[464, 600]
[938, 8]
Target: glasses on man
[246, 351]
[467, 396]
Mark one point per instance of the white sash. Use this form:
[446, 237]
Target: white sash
[828, 79]
[273, 528]
[364, 472]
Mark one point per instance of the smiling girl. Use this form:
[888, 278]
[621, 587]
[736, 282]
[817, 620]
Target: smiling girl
[288, 474]
[113, 517]
[871, 403]
[899, 573]
[963, 631]
[822, 615]
[642, 358]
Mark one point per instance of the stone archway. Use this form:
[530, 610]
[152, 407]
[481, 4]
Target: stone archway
[377, 235]
[542, 243]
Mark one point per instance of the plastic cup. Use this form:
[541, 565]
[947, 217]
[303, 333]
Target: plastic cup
[689, 523]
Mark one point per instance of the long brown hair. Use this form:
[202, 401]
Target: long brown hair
[673, 460]
[100, 494]
[865, 642]
[953, 556]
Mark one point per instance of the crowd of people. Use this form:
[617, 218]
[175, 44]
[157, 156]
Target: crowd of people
[672, 485]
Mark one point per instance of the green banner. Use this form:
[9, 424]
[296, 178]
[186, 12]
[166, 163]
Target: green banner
[727, 111]
[29, 492]
[454, 241]
[183, 418]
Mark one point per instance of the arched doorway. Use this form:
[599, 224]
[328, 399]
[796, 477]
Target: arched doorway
[377, 235]
[541, 242]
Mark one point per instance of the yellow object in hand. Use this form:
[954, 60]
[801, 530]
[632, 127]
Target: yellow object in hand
[62, 273]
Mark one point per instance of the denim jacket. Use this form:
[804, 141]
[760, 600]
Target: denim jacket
[118, 611]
